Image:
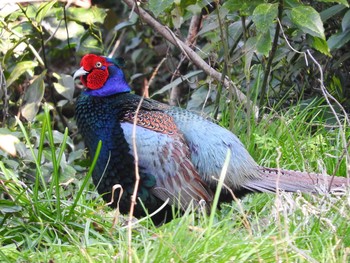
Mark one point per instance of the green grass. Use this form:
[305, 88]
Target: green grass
[61, 218]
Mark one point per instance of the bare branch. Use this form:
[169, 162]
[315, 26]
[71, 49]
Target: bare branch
[188, 52]
[190, 41]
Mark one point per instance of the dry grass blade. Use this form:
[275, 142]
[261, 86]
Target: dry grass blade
[137, 181]
[116, 215]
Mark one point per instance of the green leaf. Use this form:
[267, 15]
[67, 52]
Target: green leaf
[320, 45]
[338, 40]
[345, 23]
[8, 206]
[177, 82]
[201, 97]
[32, 97]
[19, 69]
[308, 20]
[124, 24]
[244, 7]
[331, 12]
[291, 3]
[24, 29]
[88, 16]
[264, 16]
[264, 43]
[177, 17]
[250, 48]
[58, 137]
[43, 10]
[159, 6]
[186, 3]
[89, 44]
[343, 2]
[65, 85]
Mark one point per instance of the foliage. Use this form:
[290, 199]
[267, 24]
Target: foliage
[49, 209]
[249, 29]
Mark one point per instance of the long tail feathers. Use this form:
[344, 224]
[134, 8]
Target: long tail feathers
[293, 181]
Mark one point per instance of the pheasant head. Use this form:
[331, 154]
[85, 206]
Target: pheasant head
[101, 76]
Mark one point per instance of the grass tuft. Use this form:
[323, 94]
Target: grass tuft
[61, 218]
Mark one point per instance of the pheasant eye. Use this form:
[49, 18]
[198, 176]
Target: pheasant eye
[98, 64]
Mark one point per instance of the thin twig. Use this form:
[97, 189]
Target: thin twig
[116, 215]
[290, 46]
[328, 96]
[117, 43]
[155, 72]
[147, 83]
[339, 162]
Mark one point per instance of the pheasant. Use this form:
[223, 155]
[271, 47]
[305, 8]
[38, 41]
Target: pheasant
[180, 154]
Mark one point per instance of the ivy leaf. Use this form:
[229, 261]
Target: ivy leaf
[264, 15]
[32, 97]
[159, 6]
[308, 20]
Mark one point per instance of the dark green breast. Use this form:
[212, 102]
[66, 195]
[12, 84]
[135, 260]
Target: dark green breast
[99, 118]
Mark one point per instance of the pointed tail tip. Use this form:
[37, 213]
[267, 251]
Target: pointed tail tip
[293, 181]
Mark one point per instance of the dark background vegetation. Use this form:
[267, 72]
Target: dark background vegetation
[230, 37]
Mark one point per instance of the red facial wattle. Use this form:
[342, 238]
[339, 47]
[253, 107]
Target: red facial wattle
[95, 79]
[98, 71]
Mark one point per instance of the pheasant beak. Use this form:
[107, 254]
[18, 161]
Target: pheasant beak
[80, 72]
